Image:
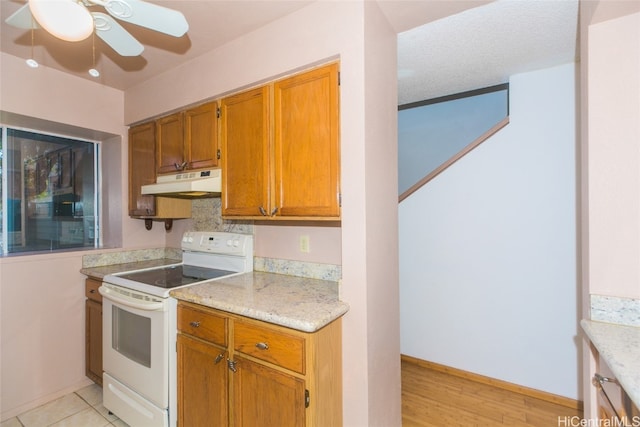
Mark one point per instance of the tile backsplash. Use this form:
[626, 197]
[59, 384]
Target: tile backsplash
[623, 311]
[206, 215]
[298, 268]
[124, 257]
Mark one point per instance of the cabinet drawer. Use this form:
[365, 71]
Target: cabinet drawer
[202, 324]
[270, 345]
[91, 290]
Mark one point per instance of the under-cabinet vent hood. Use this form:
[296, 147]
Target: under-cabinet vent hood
[187, 184]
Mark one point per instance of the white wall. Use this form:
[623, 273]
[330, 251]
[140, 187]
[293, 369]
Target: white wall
[488, 248]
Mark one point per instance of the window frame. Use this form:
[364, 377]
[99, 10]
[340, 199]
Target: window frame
[97, 198]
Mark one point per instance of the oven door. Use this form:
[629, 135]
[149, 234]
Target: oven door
[135, 334]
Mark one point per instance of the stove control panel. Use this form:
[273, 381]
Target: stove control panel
[218, 242]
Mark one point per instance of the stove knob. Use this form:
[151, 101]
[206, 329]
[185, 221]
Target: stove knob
[236, 243]
[229, 242]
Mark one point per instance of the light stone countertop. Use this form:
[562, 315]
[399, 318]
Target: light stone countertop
[294, 302]
[100, 272]
[619, 346]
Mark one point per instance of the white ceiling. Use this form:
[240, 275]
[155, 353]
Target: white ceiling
[464, 45]
[483, 46]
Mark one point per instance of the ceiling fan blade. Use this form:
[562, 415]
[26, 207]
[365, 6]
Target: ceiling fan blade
[148, 15]
[22, 18]
[115, 36]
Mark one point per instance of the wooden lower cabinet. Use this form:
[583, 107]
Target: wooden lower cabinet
[202, 389]
[93, 331]
[263, 396]
[235, 371]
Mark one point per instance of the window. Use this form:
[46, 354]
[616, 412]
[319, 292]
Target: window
[48, 198]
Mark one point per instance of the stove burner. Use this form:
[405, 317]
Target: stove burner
[175, 275]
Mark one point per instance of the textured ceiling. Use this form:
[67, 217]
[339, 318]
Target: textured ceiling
[465, 44]
[485, 45]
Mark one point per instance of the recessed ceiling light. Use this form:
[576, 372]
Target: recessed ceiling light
[94, 73]
[32, 63]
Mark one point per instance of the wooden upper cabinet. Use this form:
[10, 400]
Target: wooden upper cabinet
[201, 136]
[188, 140]
[306, 148]
[280, 149]
[142, 145]
[170, 143]
[245, 147]
[142, 171]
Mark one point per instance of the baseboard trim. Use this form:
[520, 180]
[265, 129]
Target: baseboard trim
[526, 391]
[14, 412]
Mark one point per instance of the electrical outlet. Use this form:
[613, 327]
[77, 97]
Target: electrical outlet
[304, 244]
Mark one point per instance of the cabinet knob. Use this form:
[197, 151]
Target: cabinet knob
[195, 324]
[92, 291]
[262, 346]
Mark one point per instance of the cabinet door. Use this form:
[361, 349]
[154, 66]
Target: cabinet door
[202, 384]
[263, 396]
[170, 144]
[93, 340]
[306, 146]
[245, 153]
[142, 145]
[201, 136]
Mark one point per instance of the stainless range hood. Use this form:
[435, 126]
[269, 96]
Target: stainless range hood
[187, 184]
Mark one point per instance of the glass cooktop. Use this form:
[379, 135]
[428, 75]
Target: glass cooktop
[175, 275]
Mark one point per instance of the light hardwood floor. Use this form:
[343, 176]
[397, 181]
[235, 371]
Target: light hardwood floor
[434, 395]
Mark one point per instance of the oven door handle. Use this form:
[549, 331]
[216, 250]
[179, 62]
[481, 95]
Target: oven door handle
[130, 302]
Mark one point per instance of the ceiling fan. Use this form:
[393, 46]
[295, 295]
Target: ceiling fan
[72, 20]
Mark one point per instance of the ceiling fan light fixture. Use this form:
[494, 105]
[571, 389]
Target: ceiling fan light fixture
[64, 19]
[93, 72]
[32, 62]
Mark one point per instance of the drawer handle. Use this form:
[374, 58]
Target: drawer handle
[218, 359]
[195, 324]
[92, 291]
[262, 346]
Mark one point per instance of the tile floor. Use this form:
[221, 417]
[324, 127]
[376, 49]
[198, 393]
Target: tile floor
[80, 409]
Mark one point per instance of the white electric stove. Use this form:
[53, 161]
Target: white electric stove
[139, 325]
